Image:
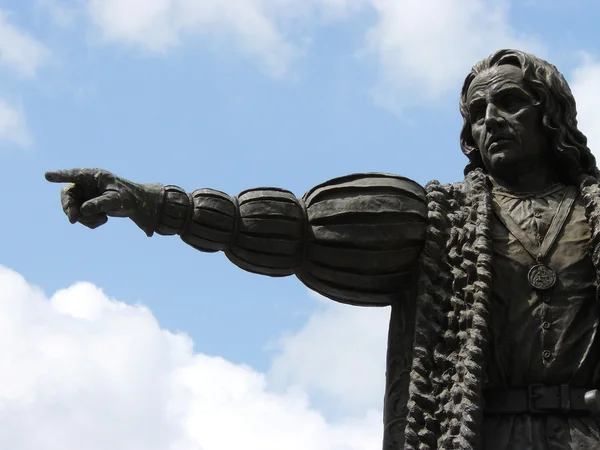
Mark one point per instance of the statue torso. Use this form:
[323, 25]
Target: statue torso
[538, 336]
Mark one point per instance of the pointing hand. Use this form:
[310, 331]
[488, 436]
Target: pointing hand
[92, 195]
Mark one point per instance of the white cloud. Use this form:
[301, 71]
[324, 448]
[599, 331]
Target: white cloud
[80, 370]
[257, 28]
[339, 354]
[585, 85]
[422, 48]
[428, 46]
[158, 25]
[13, 125]
[19, 51]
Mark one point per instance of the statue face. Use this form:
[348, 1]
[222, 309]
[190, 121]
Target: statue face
[506, 124]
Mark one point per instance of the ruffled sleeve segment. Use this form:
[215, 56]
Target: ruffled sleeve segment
[365, 234]
[354, 239]
[269, 237]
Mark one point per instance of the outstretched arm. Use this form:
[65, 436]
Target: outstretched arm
[354, 239]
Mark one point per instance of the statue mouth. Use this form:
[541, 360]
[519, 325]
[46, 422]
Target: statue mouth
[499, 143]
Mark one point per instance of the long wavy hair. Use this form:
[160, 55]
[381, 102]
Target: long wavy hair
[559, 113]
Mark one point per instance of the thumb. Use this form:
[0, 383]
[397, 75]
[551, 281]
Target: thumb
[105, 203]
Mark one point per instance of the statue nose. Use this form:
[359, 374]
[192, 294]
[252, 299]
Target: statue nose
[493, 119]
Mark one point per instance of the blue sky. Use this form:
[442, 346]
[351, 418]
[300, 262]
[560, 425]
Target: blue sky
[229, 95]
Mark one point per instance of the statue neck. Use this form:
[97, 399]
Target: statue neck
[536, 179]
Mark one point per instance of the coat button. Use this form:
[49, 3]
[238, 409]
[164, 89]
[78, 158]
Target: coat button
[546, 354]
[546, 325]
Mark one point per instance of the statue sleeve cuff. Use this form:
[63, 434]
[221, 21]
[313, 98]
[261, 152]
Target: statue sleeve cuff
[175, 210]
[150, 198]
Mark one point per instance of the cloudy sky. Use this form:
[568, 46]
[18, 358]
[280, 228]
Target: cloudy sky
[109, 339]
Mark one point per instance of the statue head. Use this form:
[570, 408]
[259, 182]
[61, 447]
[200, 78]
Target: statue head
[551, 95]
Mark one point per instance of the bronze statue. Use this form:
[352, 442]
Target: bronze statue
[492, 281]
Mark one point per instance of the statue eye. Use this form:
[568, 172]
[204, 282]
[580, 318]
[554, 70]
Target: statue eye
[512, 101]
[477, 113]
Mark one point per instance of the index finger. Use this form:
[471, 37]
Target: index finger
[68, 176]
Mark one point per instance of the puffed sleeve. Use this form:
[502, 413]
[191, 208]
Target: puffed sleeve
[354, 239]
[365, 234]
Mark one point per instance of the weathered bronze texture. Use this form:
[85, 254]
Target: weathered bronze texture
[492, 281]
